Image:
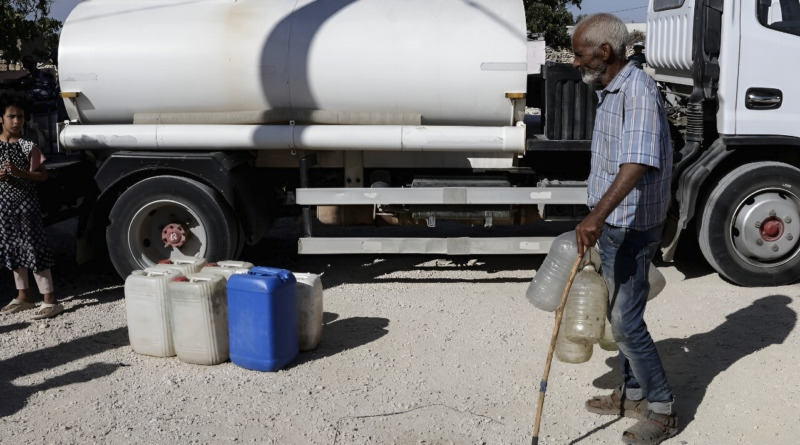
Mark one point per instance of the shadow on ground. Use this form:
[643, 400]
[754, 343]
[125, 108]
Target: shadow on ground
[340, 335]
[16, 397]
[280, 250]
[692, 363]
[689, 259]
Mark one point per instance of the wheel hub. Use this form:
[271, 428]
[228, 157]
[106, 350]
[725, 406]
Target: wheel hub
[772, 229]
[174, 224]
[766, 228]
[173, 235]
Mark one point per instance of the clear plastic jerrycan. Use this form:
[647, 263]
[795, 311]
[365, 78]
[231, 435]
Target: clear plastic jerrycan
[309, 310]
[607, 342]
[569, 352]
[228, 268]
[148, 311]
[199, 308]
[187, 265]
[547, 286]
[657, 282]
[585, 312]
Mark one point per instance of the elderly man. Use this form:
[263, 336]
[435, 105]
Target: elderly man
[629, 194]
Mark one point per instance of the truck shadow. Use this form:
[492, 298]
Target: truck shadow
[337, 270]
[693, 363]
[15, 397]
[340, 335]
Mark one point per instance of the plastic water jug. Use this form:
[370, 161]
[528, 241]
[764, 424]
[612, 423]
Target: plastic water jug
[548, 284]
[657, 282]
[569, 352]
[199, 309]
[607, 342]
[228, 268]
[187, 265]
[148, 311]
[585, 312]
[309, 310]
[262, 317]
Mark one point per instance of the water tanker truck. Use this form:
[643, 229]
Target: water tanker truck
[387, 126]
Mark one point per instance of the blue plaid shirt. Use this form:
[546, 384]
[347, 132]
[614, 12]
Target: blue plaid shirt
[631, 127]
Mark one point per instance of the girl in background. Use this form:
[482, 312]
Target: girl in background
[23, 245]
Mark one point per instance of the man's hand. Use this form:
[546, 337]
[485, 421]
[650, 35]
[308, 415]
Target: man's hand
[588, 232]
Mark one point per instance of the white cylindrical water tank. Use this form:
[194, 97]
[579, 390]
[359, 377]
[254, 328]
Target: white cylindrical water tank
[448, 62]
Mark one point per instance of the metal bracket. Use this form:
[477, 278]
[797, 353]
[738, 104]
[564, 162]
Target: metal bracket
[291, 142]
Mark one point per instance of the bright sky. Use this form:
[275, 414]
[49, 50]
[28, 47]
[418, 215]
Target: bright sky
[62, 8]
[630, 11]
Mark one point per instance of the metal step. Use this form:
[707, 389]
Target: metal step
[438, 246]
[441, 195]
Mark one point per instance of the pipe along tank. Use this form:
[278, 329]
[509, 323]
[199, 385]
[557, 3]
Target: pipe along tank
[257, 62]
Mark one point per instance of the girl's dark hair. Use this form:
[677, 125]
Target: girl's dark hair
[15, 100]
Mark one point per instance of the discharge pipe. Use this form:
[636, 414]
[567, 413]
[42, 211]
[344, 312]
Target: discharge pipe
[301, 137]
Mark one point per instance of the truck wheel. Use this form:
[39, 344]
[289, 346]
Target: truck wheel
[749, 230]
[141, 213]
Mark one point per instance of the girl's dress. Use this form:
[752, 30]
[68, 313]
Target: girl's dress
[22, 239]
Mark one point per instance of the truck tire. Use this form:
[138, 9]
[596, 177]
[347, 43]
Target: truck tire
[143, 210]
[749, 229]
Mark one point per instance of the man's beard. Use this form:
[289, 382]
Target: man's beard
[594, 76]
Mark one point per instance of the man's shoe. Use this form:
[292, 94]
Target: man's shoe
[617, 405]
[655, 429]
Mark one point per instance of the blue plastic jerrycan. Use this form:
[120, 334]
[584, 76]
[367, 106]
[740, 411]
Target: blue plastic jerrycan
[262, 319]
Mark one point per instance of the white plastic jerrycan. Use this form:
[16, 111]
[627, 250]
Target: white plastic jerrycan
[309, 310]
[200, 318]
[148, 311]
[228, 268]
[186, 264]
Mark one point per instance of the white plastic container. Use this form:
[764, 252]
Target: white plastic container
[199, 308]
[569, 352]
[547, 286]
[148, 311]
[657, 282]
[309, 310]
[585, 312]
[607, 342]
[228, 268]
[187, 265]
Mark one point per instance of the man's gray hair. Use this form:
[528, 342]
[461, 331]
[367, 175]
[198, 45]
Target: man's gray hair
[604, 28]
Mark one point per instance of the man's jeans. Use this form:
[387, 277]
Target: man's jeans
[626, 255]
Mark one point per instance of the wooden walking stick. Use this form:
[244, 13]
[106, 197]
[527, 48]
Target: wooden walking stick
[543, 384]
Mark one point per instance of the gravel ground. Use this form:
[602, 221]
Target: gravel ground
[415, 350]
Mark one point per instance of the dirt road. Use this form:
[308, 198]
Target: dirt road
[415, 350]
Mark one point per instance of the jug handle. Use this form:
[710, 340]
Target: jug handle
[283, 274]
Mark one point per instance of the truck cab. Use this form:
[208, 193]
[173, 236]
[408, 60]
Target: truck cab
[726, 71]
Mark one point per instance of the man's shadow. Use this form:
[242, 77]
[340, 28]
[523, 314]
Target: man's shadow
[693, 363]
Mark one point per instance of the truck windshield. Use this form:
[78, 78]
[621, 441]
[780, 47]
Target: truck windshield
[663, 5]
